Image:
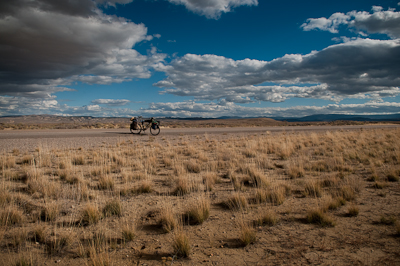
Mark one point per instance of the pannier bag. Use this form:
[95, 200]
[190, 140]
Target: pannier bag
[154, 124]
[134, 125]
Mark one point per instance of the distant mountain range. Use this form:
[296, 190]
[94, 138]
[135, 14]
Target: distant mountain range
[83, 119]
[313, 118]
[335, 117]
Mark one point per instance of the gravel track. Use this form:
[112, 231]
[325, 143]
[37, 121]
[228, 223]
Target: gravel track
[59, 139]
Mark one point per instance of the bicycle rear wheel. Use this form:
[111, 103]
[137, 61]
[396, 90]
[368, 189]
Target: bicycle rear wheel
[155, 131]
[136, 131]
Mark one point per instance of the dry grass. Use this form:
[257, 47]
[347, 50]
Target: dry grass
[247, 234]
[199, 212]
[319, 217]
[89, 203]
[181, 244]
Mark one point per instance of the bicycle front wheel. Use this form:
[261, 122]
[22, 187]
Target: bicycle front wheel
[136, 131]
[155, 131]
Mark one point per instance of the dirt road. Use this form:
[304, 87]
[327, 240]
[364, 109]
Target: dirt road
[28, 140]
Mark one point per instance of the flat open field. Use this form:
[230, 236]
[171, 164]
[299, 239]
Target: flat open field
[237, 196]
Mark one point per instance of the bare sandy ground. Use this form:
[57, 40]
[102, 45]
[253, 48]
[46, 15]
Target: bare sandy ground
[29, 140]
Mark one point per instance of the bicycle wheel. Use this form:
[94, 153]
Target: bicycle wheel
[136, 131]
[155, 131]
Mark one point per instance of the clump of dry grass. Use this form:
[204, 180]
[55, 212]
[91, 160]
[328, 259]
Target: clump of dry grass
[90, 214]
[352, 211]
[183, 186]
[247, 234]
[199, 212]
[11, 216]
[128, 231]
[167, 219]
[39, 233]
[256, 177]
[193, 167]
[113, 208]
[319, 217]
[59, 242]
[181, 244]
[312, 189]
[236, 202]
[267, 218]
[335, 203]
[146, 186]
[106, 182]
[209, 180]
[78, 160]
[50, 212]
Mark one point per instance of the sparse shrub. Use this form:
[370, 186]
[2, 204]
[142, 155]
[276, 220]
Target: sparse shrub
[313, 189]
[59, 243]
[247, 234]
[39, 234]
[181, 244]
[11, 216]
[193, 167]
[268, 218]
[352, 211]
[145, 186]
[49, 212]
[90, 214]
[236, 202]
[128, 232]
[329, 182]
[106, 182]
[78, 160]
[199, 212]
[347, 193]
[319, 217]
[249, 153]
[256, 178]
[209, 180]
[336, 203]
[276, 195]
[27, 159]
[168, 219]
[113, 208]
[183, 186]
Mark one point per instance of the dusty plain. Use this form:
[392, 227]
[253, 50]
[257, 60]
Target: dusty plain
[263, 197]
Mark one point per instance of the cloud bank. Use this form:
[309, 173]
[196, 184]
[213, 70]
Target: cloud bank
[46, 45]
[362, 68]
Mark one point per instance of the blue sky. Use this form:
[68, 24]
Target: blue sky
[192, 58]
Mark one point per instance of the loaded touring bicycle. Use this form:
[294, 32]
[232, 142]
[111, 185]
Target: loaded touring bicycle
[139, 124]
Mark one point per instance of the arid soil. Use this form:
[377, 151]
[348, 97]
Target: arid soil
[258, 198]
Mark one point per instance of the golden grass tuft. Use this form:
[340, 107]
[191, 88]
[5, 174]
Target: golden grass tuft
[319, 217]
[50, 212]
[353, 211]
[90, 214]
[106, 182]
[167, 219]
[268, 217]
[181, 244]
[11, 216]
[247, 234]
[236, 202]
[199, 212]
[113, 208]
